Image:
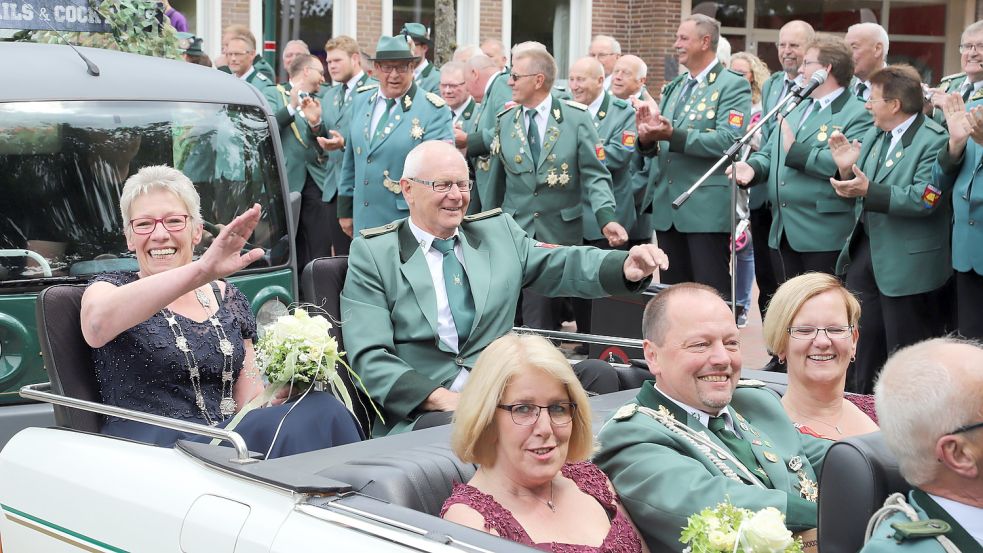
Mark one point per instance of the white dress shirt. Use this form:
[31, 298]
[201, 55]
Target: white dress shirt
[607, 82]
[460, 109]
[377, 110]
[595, 106]
[703, 416]
[352, 84]
[969, 517]
[898, 132]
[446, 329]
[542, 117]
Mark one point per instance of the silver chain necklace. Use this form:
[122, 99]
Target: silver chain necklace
[227, 405]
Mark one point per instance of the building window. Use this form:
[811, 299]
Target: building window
[307, 20]
[548, 22]
[917, 27]
[415, 11]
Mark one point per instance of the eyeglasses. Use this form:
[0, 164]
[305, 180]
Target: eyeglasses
[526, 414]
[602, 54]
[967, 428]
[966, 47]
[444, 186]
[237, 54]
[317, 70]
[810, 332]
[147, 225]
[451, 85]
[789, 45]
[387, 69]
[873, 101]
[516, 76]
[811, 62]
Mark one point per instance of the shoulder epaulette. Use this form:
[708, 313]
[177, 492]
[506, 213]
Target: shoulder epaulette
[436, 100]
[920, 529]
[951, 77]
[560, 87]
[619, 102]
[378, 231]
[750, 383]
[625, 412]
[741, 75]
[261, 76]
[506, 110]
[366, 87]
[574, 104]
[935, 127]
[483, 215]
[976, 95]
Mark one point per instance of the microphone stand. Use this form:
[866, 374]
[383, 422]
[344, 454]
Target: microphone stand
[732, 155]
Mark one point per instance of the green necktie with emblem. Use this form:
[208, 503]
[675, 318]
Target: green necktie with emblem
[344, 94]
[739, 447]
[882, 155]
[532, 136]
[684, 95]
[380, 128]
[458, 289]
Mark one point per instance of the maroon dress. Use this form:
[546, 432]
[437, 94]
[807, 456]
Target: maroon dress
[621, 538]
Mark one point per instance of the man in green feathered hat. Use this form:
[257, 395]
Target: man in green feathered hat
[426, 74]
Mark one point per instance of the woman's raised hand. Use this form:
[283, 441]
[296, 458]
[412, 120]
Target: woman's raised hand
[224, 256]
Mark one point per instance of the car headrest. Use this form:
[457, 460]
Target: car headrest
[420, 478]
[857, 476]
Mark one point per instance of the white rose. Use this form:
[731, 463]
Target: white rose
[765, 532]
[722, 541]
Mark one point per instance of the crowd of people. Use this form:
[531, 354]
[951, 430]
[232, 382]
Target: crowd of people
[478, 192]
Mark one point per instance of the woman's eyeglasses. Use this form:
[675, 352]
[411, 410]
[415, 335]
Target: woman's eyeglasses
[810, 332]
[526, 414]
[147, 225]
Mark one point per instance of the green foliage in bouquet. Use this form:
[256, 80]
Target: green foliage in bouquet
[135, 28]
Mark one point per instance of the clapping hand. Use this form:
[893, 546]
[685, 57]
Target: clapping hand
[855, 187]
[643, 260]
[224, 256]
[845, 153]
[311, 107]
[651, 124]
[615, 233]
[788, 136]
[336, 142]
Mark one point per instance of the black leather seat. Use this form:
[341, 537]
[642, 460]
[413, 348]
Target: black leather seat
[858, 475]
[67, 357]
[320, 284]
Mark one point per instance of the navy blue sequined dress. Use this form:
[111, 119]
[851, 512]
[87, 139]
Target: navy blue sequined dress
[142, 369]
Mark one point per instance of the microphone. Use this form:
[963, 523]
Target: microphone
[803, 92]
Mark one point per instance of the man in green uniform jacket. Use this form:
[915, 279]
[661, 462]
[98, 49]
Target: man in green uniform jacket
[703, 112]
[898, 255]
[344, 61]
[240, 52]
[810, 222]
[299, 118]
[960, 167]
[402, 329]
[426, 74]
[699, 437]
[387, 121]
[937, 438]
[968, 82]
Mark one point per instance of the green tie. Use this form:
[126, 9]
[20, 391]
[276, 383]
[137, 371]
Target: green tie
[882, 156]
[684, 96]
[967, 90]
[380, 128]
[861, 88]
[739, 447]
[533, 136]
[458, 290]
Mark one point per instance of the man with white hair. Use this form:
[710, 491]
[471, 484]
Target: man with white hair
[869, 44]
[628, 78]
[935, 429]
[494, 49]
[969, 82]
[465, 52]
[414, 335]
[291, 50]
[606, 50]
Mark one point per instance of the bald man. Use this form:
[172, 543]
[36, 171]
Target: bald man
[606, 50]
[494, 49]
[869, 44]
[628, 78]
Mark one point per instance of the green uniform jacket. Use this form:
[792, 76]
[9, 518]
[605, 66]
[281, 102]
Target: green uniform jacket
[261, 65]
[804, 206]
[301, 154]
[663, 478]
[770, 96]
[909, 231]
[967, 201]
[882, 540]
[545, 199]
[480, 137]
[715, 116]
[949, 83]
[429, 79]
[336, 115]
[389, 307]
[615, 124]
[469, 116]
[368, 187]
[260, 80]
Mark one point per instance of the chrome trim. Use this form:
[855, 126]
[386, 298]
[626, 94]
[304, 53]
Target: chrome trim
[353, 519]
[577, 337]
[34, 256]
[42, 392]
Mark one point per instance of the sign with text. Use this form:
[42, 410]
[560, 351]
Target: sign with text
[44, 15]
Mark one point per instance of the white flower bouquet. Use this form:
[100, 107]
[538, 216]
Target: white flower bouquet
[729, 529]
[298, 351]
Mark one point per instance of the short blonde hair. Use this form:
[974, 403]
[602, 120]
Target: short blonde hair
[473, 438]
[759, 73]
[540, 62]
[159, 177]
[790, 297]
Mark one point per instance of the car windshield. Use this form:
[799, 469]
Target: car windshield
[63, 165]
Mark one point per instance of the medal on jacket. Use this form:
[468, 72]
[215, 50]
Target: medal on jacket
[416, 131]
